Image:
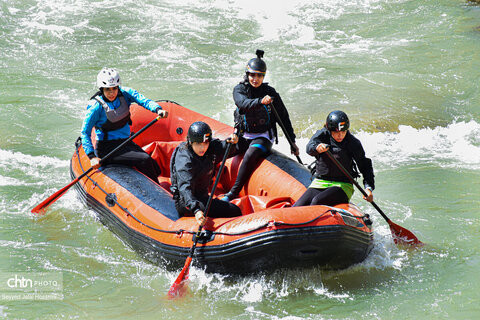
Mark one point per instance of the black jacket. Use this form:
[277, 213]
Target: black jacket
[348, 152]
[246, 96]
[192, 175]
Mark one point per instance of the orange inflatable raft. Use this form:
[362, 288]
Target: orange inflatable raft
[269, 235]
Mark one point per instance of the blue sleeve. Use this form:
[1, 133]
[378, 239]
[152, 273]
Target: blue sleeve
[132, 95]
[92, 119]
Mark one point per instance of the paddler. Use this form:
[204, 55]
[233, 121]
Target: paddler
[108, 111]
[192, 168]
[331, 186]
[255, 120]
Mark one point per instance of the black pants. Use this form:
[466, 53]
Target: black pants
[130, 155]
[255, 151]
[329, 197]
[218, 209]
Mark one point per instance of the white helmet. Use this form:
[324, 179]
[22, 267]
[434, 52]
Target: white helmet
[108, 78]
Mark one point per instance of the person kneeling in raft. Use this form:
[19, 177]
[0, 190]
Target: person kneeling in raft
[331, 186]
[192, 168]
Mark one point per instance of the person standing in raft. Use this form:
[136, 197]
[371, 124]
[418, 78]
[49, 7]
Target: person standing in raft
[330, 186]
[255, 119]
[109, 113]
[192, 168]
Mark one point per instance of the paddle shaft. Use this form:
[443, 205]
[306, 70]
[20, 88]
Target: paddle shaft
[210, 198]
[120, 146]
[400, 234]
[130, 139]
[47, 202]
[177, 285]
[289, 139]
[349, 176]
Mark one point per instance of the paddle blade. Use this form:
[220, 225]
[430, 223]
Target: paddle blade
[42, 207]
[178, 288]
[403, 236]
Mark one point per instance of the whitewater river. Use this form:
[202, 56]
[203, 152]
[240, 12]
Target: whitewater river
[406, 72]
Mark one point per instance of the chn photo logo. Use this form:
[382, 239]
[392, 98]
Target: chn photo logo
[31, 286]
[19, 282]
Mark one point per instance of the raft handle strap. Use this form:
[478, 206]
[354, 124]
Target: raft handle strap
[264, 226]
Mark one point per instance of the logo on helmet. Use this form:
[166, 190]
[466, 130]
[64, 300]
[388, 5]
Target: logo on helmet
[341, 126]
[206, 137]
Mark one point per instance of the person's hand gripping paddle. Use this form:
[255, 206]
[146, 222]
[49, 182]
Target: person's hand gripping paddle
[178, 287]
[42, 207]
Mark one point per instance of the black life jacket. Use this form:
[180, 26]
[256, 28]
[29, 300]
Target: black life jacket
[343, 153]
[209, 162]
[256, 120]
[116, 118]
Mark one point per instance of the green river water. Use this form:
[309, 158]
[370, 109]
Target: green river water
[406, 73]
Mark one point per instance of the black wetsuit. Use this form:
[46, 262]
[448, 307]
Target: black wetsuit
[191, 177]
[350, 153]
[248, 98]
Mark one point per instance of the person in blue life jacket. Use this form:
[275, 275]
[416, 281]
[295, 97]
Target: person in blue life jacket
[108, 111]
[256, 121]
[192, 168]
[331, 186]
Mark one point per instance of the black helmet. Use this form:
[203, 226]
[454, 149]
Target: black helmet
[337, 121]
[256, 65]
[199, 132]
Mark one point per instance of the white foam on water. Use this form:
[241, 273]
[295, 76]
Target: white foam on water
[253, 293]
[70, 101]
[456, 145]
[293, 22]
[55, 30]
[19, 170]
[46, 17]
[257, 314]
[256, 288]
[7, 181]
[33, 166]
[13, 11]
[292, 19]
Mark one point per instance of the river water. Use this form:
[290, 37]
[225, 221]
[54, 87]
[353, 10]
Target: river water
[404, 71]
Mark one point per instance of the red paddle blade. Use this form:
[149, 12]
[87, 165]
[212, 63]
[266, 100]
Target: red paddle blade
[42, 207]
[179, 287]
[403, 236]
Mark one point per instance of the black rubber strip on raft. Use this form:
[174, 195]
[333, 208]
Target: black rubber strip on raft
[332, 247]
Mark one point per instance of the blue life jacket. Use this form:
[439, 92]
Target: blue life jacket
[116, 118]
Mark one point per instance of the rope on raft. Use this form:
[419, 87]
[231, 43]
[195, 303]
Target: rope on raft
[181, 231]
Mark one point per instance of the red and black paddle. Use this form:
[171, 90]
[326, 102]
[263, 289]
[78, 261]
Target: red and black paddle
[178, 287]
[289, 139]
[42, 207]
[400, 235]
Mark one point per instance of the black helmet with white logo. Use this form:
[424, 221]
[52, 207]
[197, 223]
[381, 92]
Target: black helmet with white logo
[337, 121]
[199, 132]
